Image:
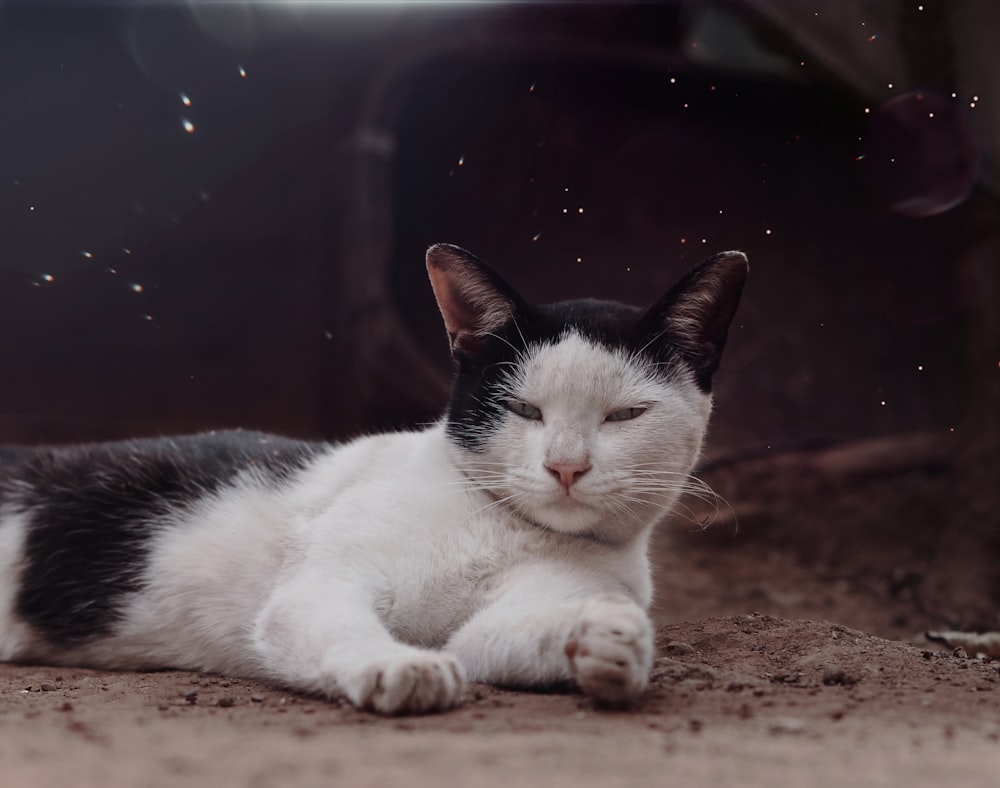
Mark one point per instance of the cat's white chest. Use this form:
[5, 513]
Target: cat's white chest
[427, 547]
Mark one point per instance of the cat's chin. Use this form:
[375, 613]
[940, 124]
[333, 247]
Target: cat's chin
[569, 516]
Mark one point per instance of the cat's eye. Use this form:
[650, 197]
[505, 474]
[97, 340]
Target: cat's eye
[625, 414]
[524, 410]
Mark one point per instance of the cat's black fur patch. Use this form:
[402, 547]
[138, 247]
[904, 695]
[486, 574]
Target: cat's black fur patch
[92, 509]
[684, 330]
[476, 410]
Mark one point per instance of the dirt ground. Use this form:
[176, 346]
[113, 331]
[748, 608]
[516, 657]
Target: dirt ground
[790, 652]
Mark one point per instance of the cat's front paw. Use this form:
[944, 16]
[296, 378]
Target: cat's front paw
[413, 683]
[610, 648]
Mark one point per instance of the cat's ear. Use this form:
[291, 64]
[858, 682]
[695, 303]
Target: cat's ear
[694, 316]
[473, 299]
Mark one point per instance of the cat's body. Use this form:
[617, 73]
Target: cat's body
[505, 544]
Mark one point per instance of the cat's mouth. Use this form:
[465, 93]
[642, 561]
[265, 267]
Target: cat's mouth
[568, 501]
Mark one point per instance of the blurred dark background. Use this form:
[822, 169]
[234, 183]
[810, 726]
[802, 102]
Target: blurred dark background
[214, 215]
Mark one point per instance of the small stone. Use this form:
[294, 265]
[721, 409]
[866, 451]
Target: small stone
[787, 725]
[49, 688]
[680, 649]
[257, 698]
[226, 702]
[190, 696]
[834, 675]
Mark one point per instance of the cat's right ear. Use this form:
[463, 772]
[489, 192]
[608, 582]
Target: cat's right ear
[474, 301]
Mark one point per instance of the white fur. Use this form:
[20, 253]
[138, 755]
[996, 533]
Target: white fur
[576, 385]
[396, 567]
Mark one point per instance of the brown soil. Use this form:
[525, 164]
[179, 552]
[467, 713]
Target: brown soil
[763, 677]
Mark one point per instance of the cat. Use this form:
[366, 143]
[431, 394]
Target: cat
[506, 543]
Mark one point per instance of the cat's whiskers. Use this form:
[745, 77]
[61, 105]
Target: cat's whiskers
[647, 484]
[503, 364]
[641, 484]
[678, 507]
[477, 399]
[484, 483]
[708, 497]
[620, 507]
[514, 496]
[656, 338]
[506, 341]
[520, 333]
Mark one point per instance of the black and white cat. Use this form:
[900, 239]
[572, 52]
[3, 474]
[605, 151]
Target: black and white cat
[505, 544]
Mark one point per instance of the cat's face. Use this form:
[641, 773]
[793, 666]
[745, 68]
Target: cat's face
[589, 440]
[584, 417]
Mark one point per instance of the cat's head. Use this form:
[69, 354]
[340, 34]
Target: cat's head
[585, 417]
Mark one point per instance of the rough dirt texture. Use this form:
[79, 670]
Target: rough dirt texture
[790, 652]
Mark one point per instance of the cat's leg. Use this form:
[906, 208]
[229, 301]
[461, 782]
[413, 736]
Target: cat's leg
[602, 642]
[324, 636]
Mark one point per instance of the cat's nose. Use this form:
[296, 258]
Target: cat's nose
[568, 473]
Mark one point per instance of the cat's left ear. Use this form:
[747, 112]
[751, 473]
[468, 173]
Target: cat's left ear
[474, 300]
[694, 316]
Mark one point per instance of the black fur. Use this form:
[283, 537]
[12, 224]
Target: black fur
[11, 454]
[92, 509]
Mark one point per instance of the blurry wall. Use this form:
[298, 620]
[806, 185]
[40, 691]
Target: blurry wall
[216, 217]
